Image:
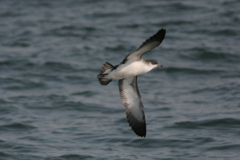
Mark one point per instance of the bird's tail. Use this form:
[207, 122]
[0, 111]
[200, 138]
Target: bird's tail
[106, 68]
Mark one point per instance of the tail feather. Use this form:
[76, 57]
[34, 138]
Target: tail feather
[106, 68]
[104, 81]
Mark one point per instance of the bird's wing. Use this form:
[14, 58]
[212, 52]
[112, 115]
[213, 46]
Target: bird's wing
[148, 45]
[132, 101]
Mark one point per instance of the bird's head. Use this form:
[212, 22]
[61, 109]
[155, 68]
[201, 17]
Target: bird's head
[153, 64]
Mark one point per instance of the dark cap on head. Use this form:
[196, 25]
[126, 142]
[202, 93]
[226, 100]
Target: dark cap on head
[151, 61]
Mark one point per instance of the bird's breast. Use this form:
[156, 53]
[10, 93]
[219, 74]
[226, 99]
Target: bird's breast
[129, 70]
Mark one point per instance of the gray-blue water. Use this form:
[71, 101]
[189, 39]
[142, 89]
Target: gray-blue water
[52, 106]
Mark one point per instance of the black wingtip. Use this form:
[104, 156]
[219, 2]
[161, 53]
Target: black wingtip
[161, 34]
[138, 127]
[162, 30]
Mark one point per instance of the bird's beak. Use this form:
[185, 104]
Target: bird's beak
[161, 66]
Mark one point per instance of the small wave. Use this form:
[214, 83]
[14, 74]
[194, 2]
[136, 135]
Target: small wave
[153, 143]
[106, 15]
[19, 84]
[6, 109]
[43, 76]
[215, 32]
[90, 70]
[227, 13]
[181, 6]
[70, 31]
[2, 101]
[113, 140]
[77, 80]
[10, 14]
[190, 70]
[116, 48]
[18, 64]
[54, 97]
[225, 147]
[2, 154]
[224, 122]
[222, 88]
[75, 156]
[203, 140]
[77, 28]
[17, 126]
[121, 120]
[225, 32]
[162, 109]
[207, 54]
[6, 63]
[59, 102]
[84, 93]
[76, 106]
[132, 26]
[63, 33]
[173, 23]
[19, 43]
[59, 66]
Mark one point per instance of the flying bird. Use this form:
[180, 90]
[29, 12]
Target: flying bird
[126, 72]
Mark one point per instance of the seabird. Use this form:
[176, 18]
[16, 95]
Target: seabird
[126, 72]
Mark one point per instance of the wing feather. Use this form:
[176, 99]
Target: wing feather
[148, 45]
[134, 108]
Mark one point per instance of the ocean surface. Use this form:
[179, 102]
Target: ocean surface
[52, 106]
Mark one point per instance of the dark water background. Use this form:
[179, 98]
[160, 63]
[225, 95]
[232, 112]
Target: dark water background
[52, 106]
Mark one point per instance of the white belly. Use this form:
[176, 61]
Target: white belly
[129, 70]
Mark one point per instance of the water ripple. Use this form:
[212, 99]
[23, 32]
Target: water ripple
[17, 126]
[85, 93]
[75, 156]
[205, 54]
[221, 148]
[152, 143]
[224, 122]
[174, 70]
[20, 84]
[59, 66]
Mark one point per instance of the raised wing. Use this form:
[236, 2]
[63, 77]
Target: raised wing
[148, 45]
[132, 101]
